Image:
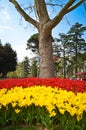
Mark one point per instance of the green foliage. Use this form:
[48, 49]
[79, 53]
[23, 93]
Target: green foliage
[76, 43]
[71, 50]
[17, 73]
[8, 59]
[75, 39]
[26, 67]
[34, 68]
[33, 43]
[29, 117]
[67, 122]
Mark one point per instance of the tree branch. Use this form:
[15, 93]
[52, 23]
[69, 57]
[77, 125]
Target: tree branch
[51, 4]
[24, 14]
[66, 9]
[41, 10]
[75, 6]
[61, 14]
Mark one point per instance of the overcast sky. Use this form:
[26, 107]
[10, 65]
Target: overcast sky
[17, 31]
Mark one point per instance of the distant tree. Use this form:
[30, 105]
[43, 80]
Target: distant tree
[33, 43]
[26, 67]
[8, 59]
[61, 48]
[81, 66]
[45, 23]
[70, 47]
[76, 42]
[81, 61]
[17, 73]
[34, 68]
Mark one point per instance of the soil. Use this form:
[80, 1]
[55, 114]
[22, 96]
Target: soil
[24, 127]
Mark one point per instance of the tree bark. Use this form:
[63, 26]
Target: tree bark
[46, 54]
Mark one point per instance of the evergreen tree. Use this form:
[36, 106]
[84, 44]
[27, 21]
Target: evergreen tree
[62, 51]
[8, 59]
[70, 48]
[76, 42]
[34, 68]
[26, 67]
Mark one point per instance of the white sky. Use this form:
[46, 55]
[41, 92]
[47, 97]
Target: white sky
[12, 28]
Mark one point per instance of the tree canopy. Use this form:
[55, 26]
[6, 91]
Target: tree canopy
[33, 43]
[72, 48]
[26, 67]
[8, 59]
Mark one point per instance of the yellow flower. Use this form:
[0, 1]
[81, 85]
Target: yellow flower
[14, 104]
[51, 98]
[17, 110]
[79, 117]
[52, 114]
[61, 111]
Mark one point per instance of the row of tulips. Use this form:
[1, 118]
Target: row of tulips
[65, 84]
[51, 102]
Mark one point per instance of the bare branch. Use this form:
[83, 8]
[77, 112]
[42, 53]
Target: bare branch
[51, 4]
[75, 6]
[24, 14]
[66, 9]
[61, 14]
[30, 7]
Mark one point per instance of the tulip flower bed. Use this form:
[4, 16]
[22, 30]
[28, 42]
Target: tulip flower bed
[52, 104]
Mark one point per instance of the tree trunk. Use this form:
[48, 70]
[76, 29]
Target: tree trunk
[46, 55]
[43, 21]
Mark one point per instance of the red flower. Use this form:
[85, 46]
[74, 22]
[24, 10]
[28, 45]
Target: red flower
[65, 84]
